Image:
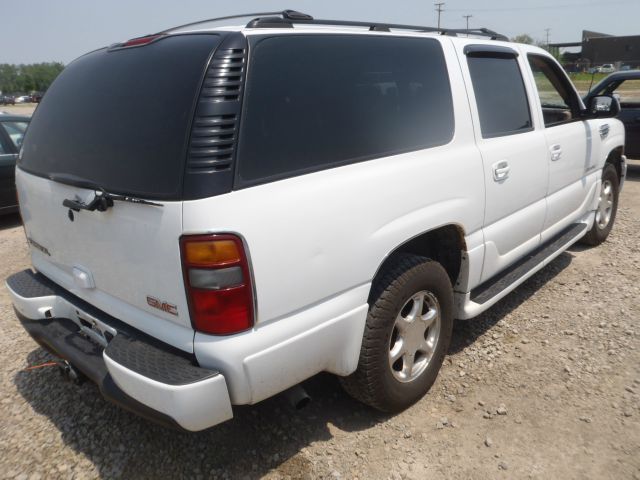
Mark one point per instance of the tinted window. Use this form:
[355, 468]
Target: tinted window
[317, 101]
[121, 118]
[500, 95]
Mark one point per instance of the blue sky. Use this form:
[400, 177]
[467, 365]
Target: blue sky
[61, 30]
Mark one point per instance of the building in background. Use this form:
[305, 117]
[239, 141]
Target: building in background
[599, 49]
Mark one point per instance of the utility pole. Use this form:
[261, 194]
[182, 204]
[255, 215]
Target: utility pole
[467, 17]
[547, 30]
[439, 9]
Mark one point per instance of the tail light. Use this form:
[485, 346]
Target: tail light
[218, 283]
[136, 42]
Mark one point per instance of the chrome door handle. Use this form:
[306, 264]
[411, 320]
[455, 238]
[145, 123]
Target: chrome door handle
[501, 170]
[556, 153]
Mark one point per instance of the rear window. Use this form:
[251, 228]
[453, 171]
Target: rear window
[317, 101]
[121, 118]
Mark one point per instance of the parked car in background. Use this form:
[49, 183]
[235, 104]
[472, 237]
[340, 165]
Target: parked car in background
[625, 86]
[12, 130]
[7, 100]
[23, 99]
[606, 68]
[36, 97]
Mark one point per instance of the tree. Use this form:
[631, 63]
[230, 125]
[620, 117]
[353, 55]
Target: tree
[28, 78]
[523, 38]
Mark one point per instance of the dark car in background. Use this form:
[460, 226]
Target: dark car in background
[625, 86]
[7, 100]
[12, 130]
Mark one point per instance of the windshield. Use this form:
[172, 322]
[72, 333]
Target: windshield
[120, 118]
[16, 131]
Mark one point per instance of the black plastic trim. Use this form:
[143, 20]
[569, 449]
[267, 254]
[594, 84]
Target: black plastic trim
[56, 335]
[492, 287]
[130, 348]
[483, 50]
[214, 130]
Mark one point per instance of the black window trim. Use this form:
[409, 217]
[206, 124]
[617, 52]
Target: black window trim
[491, 51]
[575, 111]
[240, 184]
[483, 50]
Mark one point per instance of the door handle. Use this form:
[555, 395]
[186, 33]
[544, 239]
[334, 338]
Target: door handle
[501, 170]
[556, 153]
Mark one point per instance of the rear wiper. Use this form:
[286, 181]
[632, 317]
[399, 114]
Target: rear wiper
[102, 200]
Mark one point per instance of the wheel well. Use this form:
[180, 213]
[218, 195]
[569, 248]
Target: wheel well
[615, 158]
[445, 245]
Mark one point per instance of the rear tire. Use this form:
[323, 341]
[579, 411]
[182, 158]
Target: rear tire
[407, 334]
[607, 207]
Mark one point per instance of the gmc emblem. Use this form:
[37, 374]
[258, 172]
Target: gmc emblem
[160, 305]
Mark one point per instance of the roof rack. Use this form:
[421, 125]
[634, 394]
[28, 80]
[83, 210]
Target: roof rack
[289, 14]
[287, 19]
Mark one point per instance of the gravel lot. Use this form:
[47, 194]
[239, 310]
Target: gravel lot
[544, 385]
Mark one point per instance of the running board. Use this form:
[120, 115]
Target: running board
[494, 286]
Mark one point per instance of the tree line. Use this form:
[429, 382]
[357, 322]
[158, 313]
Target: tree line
[28, 78]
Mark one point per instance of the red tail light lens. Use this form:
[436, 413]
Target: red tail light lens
[135, 42]
[218, 283]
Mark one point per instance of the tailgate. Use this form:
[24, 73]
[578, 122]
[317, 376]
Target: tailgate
[126, 260]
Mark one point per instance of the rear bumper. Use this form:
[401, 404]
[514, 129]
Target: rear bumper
[134, 371]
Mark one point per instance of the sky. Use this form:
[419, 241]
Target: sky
[60, 30]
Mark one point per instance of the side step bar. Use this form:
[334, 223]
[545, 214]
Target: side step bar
[494, 286]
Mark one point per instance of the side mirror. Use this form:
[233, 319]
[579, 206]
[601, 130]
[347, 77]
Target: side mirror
[603, 106]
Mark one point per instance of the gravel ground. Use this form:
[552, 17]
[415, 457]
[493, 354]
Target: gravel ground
[544, 385]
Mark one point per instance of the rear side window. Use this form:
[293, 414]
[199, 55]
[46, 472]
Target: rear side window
[500, 95]
[121, 118]
[317, 101]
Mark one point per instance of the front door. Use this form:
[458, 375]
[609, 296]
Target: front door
[570, 146]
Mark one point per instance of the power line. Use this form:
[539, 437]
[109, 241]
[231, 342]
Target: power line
[547, 30]
[439, 9]
[467, 17]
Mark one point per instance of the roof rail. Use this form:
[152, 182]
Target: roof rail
[288, 18]
[286, 14]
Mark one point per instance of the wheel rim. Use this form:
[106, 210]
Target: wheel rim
[605, 205]
[415, 336]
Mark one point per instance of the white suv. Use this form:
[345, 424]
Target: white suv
[216, 215]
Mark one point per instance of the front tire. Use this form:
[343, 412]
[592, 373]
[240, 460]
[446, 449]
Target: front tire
[407, 334]
[607, 207]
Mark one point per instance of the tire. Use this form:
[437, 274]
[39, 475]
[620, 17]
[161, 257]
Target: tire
[394, 325]
[607, 207]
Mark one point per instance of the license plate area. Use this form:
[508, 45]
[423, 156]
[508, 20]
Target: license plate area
[95, 330]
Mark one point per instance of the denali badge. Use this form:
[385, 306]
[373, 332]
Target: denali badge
[37, 246]
[164, 306]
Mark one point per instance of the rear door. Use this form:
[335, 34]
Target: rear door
[118, 119]
[513, 154]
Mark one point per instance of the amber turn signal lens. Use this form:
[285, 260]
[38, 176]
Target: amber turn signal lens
[213, 252]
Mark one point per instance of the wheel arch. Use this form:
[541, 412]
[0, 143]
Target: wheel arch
[445, 244]
[615, 158]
